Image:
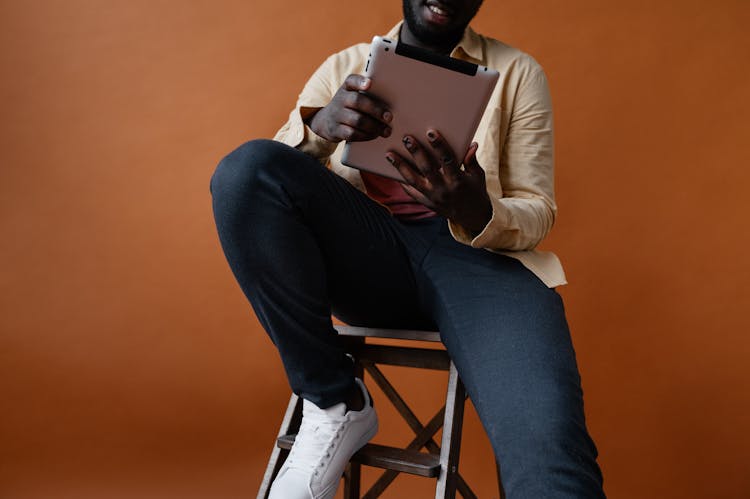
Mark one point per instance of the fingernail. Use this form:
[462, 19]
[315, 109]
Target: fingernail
[387, 116]
[431, 135]
[365, 82]
[387, 132]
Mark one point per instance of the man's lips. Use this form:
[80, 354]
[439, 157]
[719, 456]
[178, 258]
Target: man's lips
[438, 12]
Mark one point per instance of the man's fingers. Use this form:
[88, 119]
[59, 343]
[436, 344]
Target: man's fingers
[348, 133]
[355, 82]
[357, 99]
[364, 123]
[444, 153]
[422, 159]
[351, 134]
[369, 105]
[406, 169]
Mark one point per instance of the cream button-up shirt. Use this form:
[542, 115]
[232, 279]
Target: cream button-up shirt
[515, 146]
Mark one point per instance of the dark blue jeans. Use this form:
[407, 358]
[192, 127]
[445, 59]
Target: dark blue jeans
[304, 244]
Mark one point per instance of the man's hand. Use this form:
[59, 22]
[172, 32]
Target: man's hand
[352, 114]
[435, 178]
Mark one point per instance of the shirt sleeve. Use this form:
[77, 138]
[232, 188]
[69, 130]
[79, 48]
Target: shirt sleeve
[526, 210]
[317, 93]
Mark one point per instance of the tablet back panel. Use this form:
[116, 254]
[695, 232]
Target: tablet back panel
[423, 90]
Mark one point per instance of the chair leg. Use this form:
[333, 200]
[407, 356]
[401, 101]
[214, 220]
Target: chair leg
[451, 444]
[353, 471]
[352, 476]
[290, 424]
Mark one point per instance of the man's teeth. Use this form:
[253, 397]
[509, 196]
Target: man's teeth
[437, 10]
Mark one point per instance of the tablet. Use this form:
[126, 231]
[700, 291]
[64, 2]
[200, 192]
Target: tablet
[423, 90]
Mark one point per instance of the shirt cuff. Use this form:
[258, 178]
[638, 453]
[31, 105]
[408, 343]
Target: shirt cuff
[500, 221]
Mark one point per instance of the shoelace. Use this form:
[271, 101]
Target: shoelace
[318, 435]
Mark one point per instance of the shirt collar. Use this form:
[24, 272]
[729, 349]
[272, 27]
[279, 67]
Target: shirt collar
[470, 45]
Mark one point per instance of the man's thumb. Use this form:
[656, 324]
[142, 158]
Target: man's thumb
[471, 165]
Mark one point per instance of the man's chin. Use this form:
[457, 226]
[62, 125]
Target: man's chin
[437, 36]
[429, 28]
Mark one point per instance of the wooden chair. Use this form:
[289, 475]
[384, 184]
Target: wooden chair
[439, 462]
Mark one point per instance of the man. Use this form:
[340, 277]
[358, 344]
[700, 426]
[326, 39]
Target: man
[453, 250]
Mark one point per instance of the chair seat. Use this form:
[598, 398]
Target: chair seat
[395, 334]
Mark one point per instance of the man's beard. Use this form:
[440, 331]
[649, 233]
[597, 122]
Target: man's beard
[427, 36]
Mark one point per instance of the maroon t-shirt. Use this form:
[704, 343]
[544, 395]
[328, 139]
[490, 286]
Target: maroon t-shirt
[389, 192]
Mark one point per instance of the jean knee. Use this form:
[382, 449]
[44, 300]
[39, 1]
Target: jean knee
[239, 168]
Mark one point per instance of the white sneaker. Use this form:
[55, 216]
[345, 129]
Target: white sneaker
[326, 441]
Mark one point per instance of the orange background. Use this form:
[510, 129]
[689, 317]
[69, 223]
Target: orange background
[130, 363]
